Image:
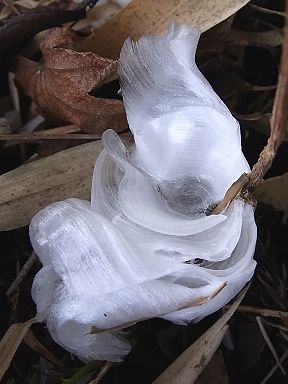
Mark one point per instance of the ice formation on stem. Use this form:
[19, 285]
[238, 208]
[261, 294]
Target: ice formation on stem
[146, 245]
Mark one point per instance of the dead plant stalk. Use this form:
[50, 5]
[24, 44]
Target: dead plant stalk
[279, 121]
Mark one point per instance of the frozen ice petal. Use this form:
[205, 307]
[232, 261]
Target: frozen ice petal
[146, 246]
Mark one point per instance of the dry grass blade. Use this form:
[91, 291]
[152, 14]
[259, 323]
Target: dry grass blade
[188, 366]
[19, 278]
[10, 343]
[279, 123]
[21, 137]
[267, 10]
[274, 369]
[277, 326]
[270, 345]
[26, 133]
[144, 17]
[265, 312]
[27, 189]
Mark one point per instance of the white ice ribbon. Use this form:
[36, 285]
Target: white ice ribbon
[146, 245]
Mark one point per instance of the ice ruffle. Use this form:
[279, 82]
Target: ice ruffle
[147, 246]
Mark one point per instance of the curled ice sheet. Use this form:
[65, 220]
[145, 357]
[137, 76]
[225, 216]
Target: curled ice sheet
[146, 246]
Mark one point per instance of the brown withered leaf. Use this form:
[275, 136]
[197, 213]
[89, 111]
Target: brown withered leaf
[274, 191]
[60, 85]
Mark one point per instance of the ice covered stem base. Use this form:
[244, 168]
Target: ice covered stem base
[146, 245]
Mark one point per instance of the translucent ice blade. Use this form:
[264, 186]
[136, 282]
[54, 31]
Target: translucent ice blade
[88, 252]
[214, 244]
[235, 271]
[137, 198]
[180, 125]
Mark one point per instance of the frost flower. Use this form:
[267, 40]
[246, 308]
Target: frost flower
[146, 246]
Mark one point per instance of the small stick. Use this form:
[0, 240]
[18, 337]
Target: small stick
[19, 278]
[277, 326]
[260, 311]
[279, 123]
[270, 345]
[21, 137]
[232, 192]
[267, 10]
[270, 374]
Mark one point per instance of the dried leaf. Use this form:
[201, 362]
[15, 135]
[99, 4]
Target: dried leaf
[274, 191]
[27, 189]
[144, 17]
[22, 26]
[188, 366]
[10, 343]
[59, 87]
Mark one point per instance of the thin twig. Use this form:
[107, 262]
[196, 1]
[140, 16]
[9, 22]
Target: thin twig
[270, 345]
[19, 278]
[278, 326]
[267, 10]
[279, 123]
[21, 137]
[260, 311]
[274, 369]
[232, 192]
[102, 373]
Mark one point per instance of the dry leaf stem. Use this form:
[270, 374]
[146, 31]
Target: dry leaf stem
[279, 122]
[270, 345]
[265, 312]
[48, 136]
[188, 366]
[274, 369]
[10, 343]
[19, 278]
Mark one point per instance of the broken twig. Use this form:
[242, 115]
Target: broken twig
[25, 269]
[279, 122]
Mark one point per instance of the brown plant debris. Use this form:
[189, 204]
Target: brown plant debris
[279, 123]
[10, 343]
[22, 26]
[60, 85]
[188, 366]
